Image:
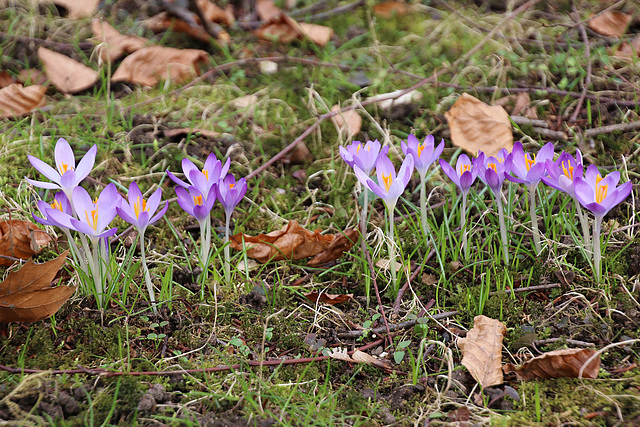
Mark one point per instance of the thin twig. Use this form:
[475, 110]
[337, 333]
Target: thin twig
[587, 80]
[564, 340]
[619, 127]
[527, 289]
[394, 327]
[418, 270]
[375, 287]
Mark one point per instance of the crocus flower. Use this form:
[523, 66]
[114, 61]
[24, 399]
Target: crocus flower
[65, 175]
[212, 172]
[600, 195]
[137, 211]
[465, 173]
[230, 193]
[424, 154]
[392, 186]
[60, 203]
[195, 203]
[529, 169]
[492, 171]
[365, 157]
[462, 176]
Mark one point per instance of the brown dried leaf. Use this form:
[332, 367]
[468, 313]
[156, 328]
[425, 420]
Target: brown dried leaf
[173, 133]
[330, 299]
[214, 13]
[336, 249]
[26, 295]
[611, 23]
[16, 100]
[291, 242]
[299, 155]
[629, 50]
[147, 65]
[21, 239]
[267, 10]
[76, 8]
[113, 44]
[556, 364]
[349, 121]
[387, 9]
[6, 79]
[32, 76]
[284, 29]
[68, 75]
[482, 350]
[163, 21]
[476, 126]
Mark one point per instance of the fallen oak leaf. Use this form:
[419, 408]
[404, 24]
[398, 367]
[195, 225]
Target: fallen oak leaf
[16, 100]
[325, 298]
[147, 65]
[336, 248]
[113, 44]
[482, 350]
[556, 364]
[291, 242]
[67, 74]
[20, 239]
[476, 126]
[26, 295]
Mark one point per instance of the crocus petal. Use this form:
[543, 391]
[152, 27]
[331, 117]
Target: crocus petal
[466, 180]
[124, 211]
[187, 167]
[406, 170]
[64, 154]
[450, 172]
[545, 153]
[160, 214]
[45, 169]
[177, 180]
[86, 163]
[69, 180]
[41, 184]
[154, 201]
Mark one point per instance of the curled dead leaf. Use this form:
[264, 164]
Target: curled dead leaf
[6, 79]
[163, 21]
[215, 13]
[26, 295]
[20, 239]
[556, 364]
[150, 64]
[629, 50]
[284, 29]
[267, 10]
[291, 242]
[67, 74]
[113, 44]
[482, 350]
[360, 357]
[16, 100]
[611, 23]
[325, 298]
[476, 126]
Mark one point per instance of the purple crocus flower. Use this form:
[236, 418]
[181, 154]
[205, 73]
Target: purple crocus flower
[65, 175]
[212, 172]
[365, 157]
[60, 203]
[465, 173]
[492, 169]
[599, 194]
[562, 172]
[424, 154]
[392, 186]
[527, 168]
[230, 192]
[92, 217]
[137, 211]
[195, 203]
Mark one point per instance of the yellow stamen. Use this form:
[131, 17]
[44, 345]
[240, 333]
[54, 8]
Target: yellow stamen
[529, 162]
[358, 148]
[93, 221]
[464, 168]
[63, 167]
[387, 179]
[56, 205]
[601, 190]
[205, 173]
[197, 200]
[420, 148]
[138, 207]
[567, 171]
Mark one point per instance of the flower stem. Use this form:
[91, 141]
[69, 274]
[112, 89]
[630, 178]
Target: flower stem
[392, 252]
[227, 256]
[425, 225]
[503, 230]
[585, 229]
[363, 241]
[463, 227]
[147, 276]
[534, 220]
[597, 256]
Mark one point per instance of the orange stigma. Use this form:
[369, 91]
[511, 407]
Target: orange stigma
[197, 200]
[529, 162]
[493, 166]
[56, 205]
[567, 171]
[387, 179]
[93, 221]
[138, 207]
[601, 190]
[464, 168]
[63, 167]
[231, 186]
[420, 148]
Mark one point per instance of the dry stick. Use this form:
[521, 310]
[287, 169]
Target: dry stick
[418, 270]
[587, 80]
[48, 43]
[375, 287]
[621, 127]
[564, 340]
[105, 373]
[394, 327]
[527, 289]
